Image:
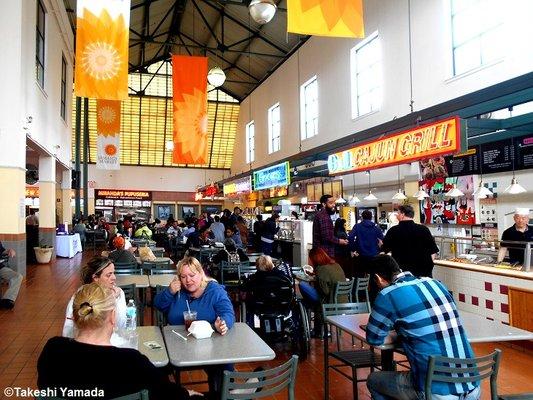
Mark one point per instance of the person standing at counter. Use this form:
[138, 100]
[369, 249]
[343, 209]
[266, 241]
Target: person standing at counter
[412, 245]
[519, 232]
[258, 231]
[323, 233]
[267, 235]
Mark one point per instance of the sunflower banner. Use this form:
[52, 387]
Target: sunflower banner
[102, 35]
[189, 81]
[108, 138]
[339, 18]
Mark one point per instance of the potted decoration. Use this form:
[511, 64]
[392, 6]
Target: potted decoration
[43, 253]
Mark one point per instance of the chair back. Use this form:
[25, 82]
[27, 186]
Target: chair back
[344, 289]
[161, 271]
[158, 253]
[360, 287]
[160, 317]
[463, 371]
[156, 264]
[272, 295]
[344, 309]
[255, 385]
[129, 271]
[126, 265]
[230, 272]
[130, 292]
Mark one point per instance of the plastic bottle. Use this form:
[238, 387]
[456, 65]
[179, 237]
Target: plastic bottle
[131, 316]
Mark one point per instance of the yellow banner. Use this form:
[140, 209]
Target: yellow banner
[339, 18]
[108, 138]
[438, 138]
[102, 36]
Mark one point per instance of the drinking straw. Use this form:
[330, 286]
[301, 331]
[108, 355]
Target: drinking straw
[188, 307]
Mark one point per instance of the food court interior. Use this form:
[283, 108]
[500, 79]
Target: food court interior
[431, 106]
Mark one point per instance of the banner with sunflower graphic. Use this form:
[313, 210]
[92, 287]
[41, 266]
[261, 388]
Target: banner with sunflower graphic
[102, 36]
[339, 18]
[189, 81]
[108, 138]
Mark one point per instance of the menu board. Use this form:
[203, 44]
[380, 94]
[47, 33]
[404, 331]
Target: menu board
[466, 163]
[524, 152]
[497, 156]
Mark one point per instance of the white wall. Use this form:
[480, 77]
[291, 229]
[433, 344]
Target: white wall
[153, 178]
[329, 59]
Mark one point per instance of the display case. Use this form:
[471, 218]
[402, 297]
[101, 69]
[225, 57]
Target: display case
[473, 250]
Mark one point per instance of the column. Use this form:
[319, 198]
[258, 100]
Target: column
[410, 189]
[47, 201]
[66, 205]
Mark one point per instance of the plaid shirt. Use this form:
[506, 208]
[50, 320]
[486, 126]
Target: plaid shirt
[323, 236]
[425, 317]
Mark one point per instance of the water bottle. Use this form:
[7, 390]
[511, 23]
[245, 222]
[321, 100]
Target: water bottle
[131, 316]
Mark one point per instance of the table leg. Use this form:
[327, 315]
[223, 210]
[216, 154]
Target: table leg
[387, 358]
[326, 363]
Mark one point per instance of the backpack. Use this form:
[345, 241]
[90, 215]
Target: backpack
[233, 257]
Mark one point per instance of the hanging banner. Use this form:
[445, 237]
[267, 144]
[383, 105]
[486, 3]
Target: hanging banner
[338, 18]
[108, 138]
[277, 175]
[239, 186]
[189, 80]
[102, 36]
[437, 138]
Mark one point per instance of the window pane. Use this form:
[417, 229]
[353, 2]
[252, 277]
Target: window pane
[467, 57]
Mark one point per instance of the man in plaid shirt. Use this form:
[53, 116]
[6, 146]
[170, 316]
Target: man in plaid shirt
[323, 236]
[426, 321]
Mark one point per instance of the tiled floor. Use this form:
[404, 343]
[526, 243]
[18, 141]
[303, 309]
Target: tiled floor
[39, 314]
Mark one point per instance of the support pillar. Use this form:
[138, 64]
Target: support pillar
[47, 201]
[410, 189]
[66, 204]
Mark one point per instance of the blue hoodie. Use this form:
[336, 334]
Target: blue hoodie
[364, 238]
[213, 303]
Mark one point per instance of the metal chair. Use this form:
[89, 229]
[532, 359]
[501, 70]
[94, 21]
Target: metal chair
[127, 265]
[158, 253]
[360, 358]
[259, 384]
[464, 370]
[344, 289]
[232, 268]
[148, 266]
[160, 318]
[129, 271]
[130, 292]
[361, 285]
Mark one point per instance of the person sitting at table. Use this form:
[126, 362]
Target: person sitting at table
[233, 233]
[80, 228]
[192, 289]
[426, 320]
[120, 254]
[13, 277]
[199, 238]
[230, 253]
[143, 231]
[90, 362]
[100, 270]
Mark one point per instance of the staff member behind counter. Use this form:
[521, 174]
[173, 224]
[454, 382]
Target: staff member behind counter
[519, 232]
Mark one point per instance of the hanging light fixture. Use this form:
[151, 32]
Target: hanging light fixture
[482, 191]
[370, 196]
[216, 76]
[400, 195]
[353, 200]
[454, 192]
[514, 187]
[421, 194]
[340, 200]
[262, 11]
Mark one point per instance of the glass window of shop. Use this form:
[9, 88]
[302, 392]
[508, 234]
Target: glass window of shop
[274, 130]
[309, 108]
[250, 142]
[477, 33]
[366, 74]
[40, 42]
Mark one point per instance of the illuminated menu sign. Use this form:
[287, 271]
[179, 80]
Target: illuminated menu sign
[122, 194]
[240, 186]
[277, 175]
[438, 138]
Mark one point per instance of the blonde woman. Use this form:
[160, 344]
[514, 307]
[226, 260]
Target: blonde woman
[90, 363]
[100, 270]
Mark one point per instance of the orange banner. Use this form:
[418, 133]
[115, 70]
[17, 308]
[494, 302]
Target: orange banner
[339, 18]
[189, 80]
[108, 138]
[438, 138]
[102, 36]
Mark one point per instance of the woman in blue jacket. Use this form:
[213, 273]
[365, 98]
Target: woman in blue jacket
[205, 296]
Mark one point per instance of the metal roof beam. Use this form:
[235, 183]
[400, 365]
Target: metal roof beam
[206, 23]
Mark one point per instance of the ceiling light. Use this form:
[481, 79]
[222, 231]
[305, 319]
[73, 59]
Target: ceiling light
[515, 187]
[399, 195]
[340, 200]
[421, 194]
[482, 192]
[216, 76]
[262, 11]
[353, 200]
[454, 192]
[370, 196]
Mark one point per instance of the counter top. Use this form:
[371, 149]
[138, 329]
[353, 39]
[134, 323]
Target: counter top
[486, 269]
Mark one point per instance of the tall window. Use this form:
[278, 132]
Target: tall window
[250, 142]
[63, 110]
[477, 33]
[274, 130]
[39, 51]
[366, 76]
[309, 108]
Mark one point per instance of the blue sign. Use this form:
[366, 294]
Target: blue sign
[277, 175]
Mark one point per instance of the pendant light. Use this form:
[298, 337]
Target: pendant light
[340, 200]
[400, 196]
[421, 194]
[353, 200]
[482, 191]
[216, 76]
[262, 11]
[514, 187]
[370, 196]
[454, 192]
